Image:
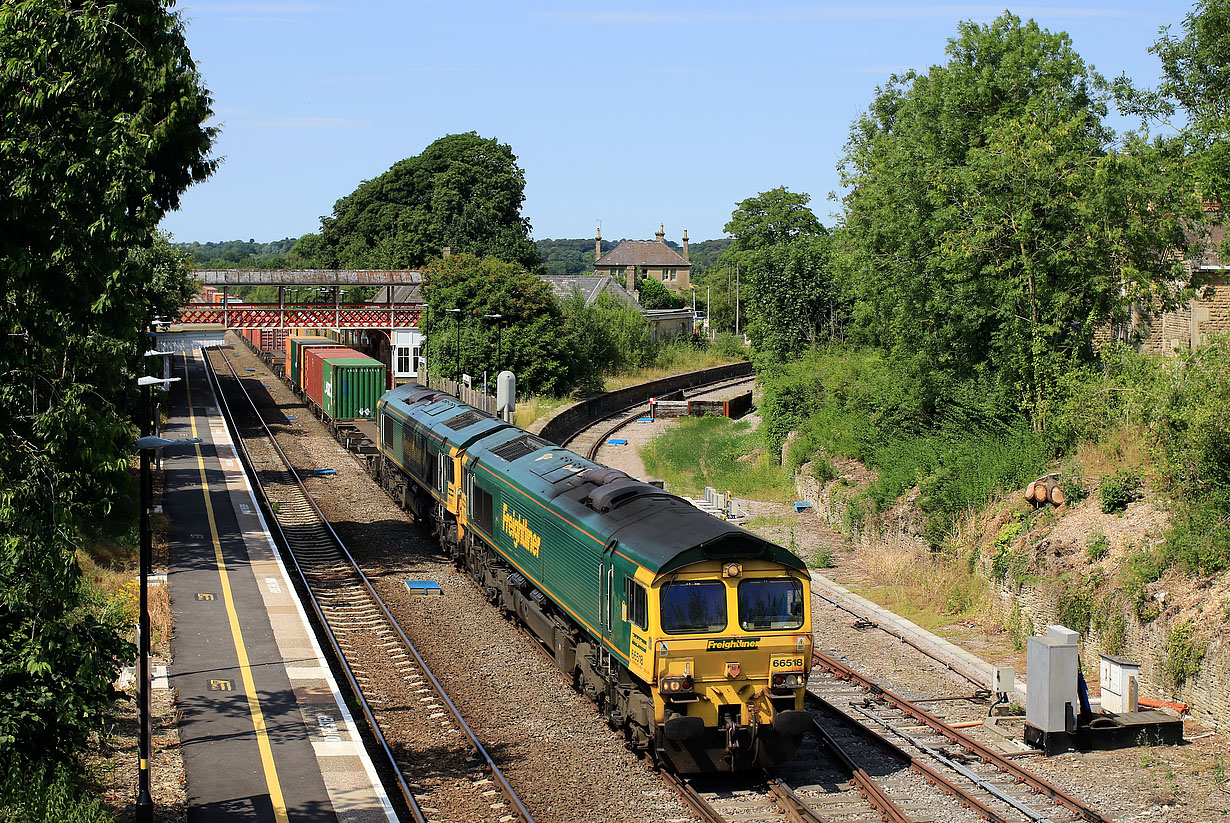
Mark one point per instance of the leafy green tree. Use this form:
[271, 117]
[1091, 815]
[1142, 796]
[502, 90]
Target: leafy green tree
[562, 257]
[100, 134]
[991, 225]
[463, 192]
[531, 344]
[654, 295]
[774, 216]
[792, 301]
[781, 252]
[1195, 83]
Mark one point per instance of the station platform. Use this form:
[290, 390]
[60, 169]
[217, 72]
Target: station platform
[265, 733]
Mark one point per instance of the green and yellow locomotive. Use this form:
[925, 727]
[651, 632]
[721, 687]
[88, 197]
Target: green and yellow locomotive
[691, 634]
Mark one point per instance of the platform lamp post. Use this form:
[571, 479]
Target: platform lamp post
[147, 443]
[456, 313]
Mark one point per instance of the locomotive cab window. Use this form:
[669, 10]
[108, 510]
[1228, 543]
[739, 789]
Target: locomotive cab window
[638, 603]
[693, 607]
[770, 603]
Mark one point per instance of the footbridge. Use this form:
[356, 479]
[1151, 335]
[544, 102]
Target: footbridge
[399, 305]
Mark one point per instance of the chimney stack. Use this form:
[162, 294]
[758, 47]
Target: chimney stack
[685, 246]
[660, 234]
[598, 245]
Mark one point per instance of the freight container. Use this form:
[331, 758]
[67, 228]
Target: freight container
[294, 356]
[351, 387]
[267, 339]
[273, 339]
[309, 366]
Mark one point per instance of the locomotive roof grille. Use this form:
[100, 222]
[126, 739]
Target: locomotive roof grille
[519, 447]
[461, 421]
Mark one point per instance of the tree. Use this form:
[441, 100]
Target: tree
[774, 216]
[782, 252]
[1196, 81]
[463, 192]
[531, 344]
[100, 133]
[992, 225]
[654, 295]
[792, 301]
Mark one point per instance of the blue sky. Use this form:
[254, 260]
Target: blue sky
[628, 115]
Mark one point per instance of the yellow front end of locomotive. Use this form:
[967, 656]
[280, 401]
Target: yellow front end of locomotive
[730, 647]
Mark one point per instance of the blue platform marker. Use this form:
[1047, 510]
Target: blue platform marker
[644, 419]
[248, 368]
[423, 587]
[323, 472]
[801, 505]
[617, 442]
[266, 385]
[290, 417]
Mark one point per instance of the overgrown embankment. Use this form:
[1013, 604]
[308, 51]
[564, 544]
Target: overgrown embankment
[1137, 562]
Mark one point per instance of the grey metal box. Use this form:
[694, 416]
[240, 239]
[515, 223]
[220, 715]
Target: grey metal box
[1051, 669]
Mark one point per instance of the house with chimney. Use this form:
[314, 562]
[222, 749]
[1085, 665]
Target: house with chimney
[634, 260]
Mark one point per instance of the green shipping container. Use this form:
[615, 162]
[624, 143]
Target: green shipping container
[294, 349]
[351, 387]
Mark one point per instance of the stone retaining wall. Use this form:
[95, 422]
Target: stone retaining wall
[1207, 694]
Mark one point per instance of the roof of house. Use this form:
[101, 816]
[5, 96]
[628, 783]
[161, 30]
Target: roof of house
[589, 285]
[643, 253]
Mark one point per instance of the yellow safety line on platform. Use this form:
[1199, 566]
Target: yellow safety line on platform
[241, 650]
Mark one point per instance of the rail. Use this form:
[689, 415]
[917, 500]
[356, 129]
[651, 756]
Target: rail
[570, 421]
[284, 540]
[986, 753]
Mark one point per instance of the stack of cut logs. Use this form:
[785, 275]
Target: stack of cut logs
[1045, 490]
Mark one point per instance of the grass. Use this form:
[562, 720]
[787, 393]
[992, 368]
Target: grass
[533, 408]
[930, 589]
[717, 452]
[673, 359]
[43, 793]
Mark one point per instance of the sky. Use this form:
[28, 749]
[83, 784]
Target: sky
[622, 115]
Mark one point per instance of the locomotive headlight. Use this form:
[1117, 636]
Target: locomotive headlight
[782, 682]
[676, 685]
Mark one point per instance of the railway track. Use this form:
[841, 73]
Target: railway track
[590, 439]
[876, 757]
[877, 726]
[441, 769]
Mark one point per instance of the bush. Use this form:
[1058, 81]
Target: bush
[1184, 653]
[1073, 487]
[1116, 491]
[46, 793]
[822, 558]
[1096, 545]
[1074, 609]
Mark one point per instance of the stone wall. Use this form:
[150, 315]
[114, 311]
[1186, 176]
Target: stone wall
[1207, 694]
[574, 418]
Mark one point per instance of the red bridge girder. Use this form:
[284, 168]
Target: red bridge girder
[316, 315]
